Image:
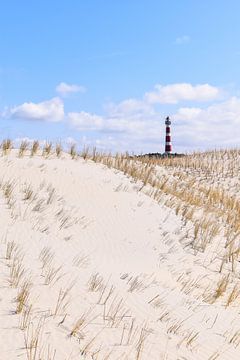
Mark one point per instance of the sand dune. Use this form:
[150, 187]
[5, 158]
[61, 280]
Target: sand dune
[96, 266]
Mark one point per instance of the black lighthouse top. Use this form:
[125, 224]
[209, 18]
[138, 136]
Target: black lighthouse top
[167, 121]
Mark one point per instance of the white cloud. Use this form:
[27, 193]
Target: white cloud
[227, 112]
[193, 128]
[85, 121]
[216, 126]
[174, 93]
[187, 113]
[65, 89]
[50, 110]
[185, 39]
[135, 124]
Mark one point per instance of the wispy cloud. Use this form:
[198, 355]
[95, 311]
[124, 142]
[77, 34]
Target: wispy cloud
[185, 39]
[128, 107]
[65, 89]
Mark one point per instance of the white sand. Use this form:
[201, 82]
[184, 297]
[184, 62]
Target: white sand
[94, 221]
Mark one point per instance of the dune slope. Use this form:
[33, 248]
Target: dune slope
[93, 268]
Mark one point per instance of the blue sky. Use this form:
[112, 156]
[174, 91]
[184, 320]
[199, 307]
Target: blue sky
[106, 73]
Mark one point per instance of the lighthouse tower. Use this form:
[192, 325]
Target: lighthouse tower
[168, 144]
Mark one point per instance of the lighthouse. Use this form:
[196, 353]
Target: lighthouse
[168, 144]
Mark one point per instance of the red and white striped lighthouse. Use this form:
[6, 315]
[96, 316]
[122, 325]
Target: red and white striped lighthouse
[168, 144]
